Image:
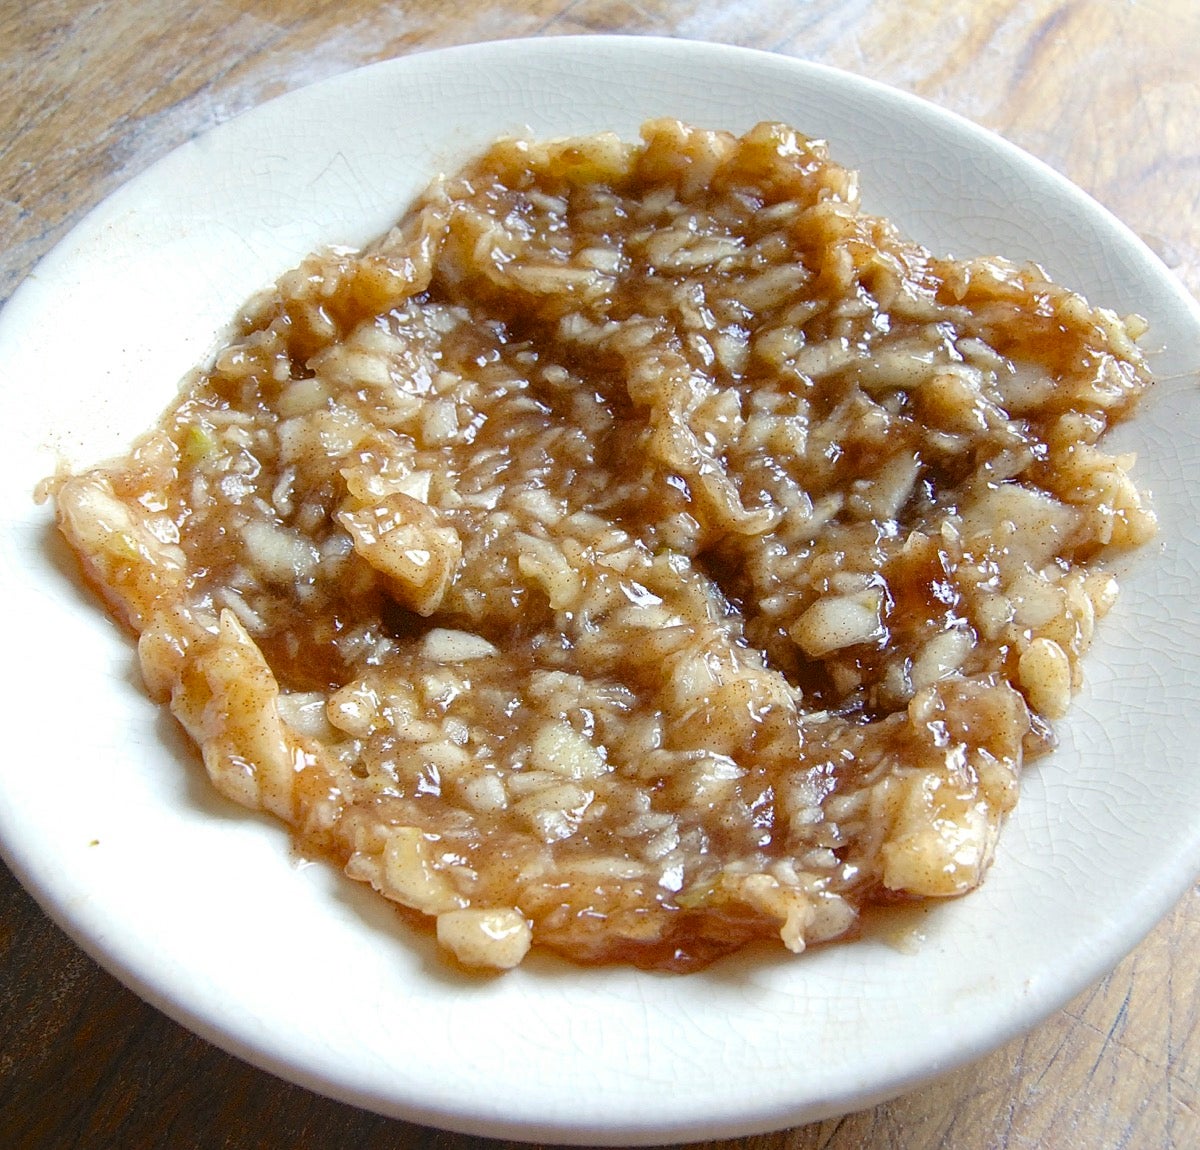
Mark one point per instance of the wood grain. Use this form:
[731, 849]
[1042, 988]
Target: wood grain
[94, 92]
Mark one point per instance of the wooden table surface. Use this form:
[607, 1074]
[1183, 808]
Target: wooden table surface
[93, 91]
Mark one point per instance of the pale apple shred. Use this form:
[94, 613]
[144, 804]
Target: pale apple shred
[637, 552]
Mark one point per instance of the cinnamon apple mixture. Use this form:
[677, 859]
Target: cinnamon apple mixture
[638, 552]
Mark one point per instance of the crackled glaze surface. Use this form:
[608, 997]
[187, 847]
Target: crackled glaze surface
[962, 968]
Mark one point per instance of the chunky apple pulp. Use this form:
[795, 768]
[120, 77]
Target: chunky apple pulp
[639, 551]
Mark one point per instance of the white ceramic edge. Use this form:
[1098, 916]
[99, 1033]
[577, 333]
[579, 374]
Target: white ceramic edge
[1165, 883]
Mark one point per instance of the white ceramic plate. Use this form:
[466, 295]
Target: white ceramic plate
[201, 908]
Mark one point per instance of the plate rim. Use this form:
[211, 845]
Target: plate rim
[119, 963]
